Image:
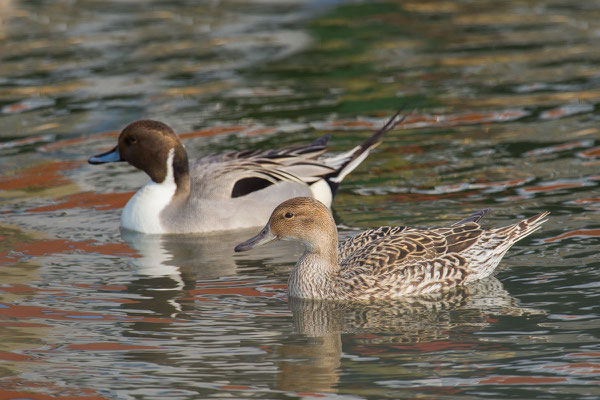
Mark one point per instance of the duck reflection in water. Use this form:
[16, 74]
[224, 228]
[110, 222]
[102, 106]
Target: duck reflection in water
[330, 329]
[169, 266]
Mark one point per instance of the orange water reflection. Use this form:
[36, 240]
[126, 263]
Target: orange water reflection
[12, 389]
[98, 201]
[57, 246]
[584, 368]
[574, 233]
[45, 175]
[200, 292]
[22, 312]
[109, 346]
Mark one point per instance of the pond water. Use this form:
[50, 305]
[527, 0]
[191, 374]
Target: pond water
[502, 103]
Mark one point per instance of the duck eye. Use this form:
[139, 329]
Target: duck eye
[289, 215]
[132, 139]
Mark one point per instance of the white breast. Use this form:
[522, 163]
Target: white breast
[142, 212]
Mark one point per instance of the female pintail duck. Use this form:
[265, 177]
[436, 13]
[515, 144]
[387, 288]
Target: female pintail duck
[227, 191]
[387, 262]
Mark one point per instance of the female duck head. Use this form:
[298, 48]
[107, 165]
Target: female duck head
[303, 219]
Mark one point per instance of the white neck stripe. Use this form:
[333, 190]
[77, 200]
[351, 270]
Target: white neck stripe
[142, 212]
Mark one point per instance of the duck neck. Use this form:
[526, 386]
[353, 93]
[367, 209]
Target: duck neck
[325, 249]
[181, 173]
[315, 273]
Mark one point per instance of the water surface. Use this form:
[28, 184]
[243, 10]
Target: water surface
[502, 112]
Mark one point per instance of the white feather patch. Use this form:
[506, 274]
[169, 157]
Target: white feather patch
[142, 212]
[351, 166]
[322, 192]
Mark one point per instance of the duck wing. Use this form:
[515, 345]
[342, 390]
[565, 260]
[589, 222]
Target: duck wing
[360, 240]
[240, 173]
[417, 262]
[456, 236]
[308, 151]
[226, 178]
[473, 218]
[410, 262]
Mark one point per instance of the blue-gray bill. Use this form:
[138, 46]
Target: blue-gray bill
[110, 156]
[265, 236]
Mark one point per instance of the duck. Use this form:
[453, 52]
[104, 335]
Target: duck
[228, 191]
[389, 262]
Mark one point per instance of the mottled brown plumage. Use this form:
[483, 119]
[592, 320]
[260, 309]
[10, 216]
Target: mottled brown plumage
[387, 262]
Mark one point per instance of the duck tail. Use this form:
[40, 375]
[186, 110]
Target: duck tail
[494, 243]
[526, 227]
[348, 161]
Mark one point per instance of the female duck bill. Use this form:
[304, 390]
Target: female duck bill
[110, 156]
[265, 236]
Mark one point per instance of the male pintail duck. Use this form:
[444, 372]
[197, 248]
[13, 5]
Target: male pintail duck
[387, 262]
[227, 191]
